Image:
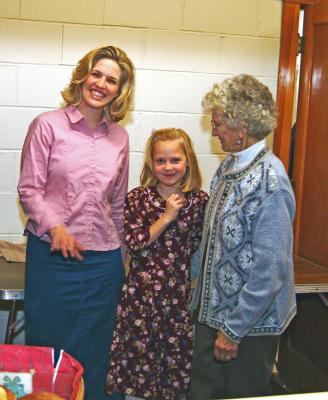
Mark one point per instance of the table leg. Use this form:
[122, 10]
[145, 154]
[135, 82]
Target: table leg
[11, 323]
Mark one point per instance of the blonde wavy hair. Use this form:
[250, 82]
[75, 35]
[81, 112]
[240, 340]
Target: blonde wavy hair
[118, 107]
[192, 181]
[243, 102]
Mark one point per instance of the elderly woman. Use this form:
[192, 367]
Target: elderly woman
[73, 183]
[245, 294]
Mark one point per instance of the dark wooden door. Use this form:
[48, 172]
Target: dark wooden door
[313, 213]
[303, 351]
[310, 166]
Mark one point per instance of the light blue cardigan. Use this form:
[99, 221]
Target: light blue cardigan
[246, 283]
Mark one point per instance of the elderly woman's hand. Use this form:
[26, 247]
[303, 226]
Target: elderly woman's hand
[64, 242]
[224, 349]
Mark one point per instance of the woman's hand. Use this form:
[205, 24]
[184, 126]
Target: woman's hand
[225, 349]
[63, 241]
[173, 205]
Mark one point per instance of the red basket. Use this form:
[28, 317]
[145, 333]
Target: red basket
[34, 367]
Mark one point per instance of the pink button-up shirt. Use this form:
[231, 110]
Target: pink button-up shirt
[76, 177]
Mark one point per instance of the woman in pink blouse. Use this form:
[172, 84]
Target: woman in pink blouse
[73, 183]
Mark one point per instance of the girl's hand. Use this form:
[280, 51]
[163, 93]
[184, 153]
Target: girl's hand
[173, 205]
[64, 242]
[224, 349]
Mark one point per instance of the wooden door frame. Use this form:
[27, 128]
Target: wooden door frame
[285, 96]
[286, 79]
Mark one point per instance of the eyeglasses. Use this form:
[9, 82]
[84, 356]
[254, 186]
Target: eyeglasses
[215, 125]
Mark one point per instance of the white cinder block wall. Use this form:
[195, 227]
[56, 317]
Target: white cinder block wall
[179, 48]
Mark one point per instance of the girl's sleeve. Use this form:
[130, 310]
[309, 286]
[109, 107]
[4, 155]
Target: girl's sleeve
[135, 228]
[33, 177]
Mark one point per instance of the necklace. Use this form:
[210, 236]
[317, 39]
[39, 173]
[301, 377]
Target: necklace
[157, 204]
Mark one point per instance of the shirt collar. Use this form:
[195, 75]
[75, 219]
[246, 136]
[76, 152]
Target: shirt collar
[75, 116]
[244, 157]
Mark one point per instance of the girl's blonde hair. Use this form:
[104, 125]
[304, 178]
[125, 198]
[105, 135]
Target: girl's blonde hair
[192, 180]
[118, 107]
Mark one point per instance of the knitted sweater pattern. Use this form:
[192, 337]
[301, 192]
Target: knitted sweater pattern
[246, 285]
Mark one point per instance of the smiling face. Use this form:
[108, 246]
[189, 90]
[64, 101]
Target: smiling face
[101, 85]
[226, 136]
[169, 163]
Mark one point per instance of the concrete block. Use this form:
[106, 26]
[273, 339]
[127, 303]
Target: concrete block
[40, 85]
[144, 13]
[7, 171]
[197, 127]
[136, 163]
[9, 9]
[208, 165]
[78, 40]
[14, 125]
[180, 51]
[76, 11]
[269, 18]
[271, 83]
[256, 56]
[221, 16]
[172, 91]
[8, 91]
[18, 155]
[30, 42]
[131, 123]
[12, 217]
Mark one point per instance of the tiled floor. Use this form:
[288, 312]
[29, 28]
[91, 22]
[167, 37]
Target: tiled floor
[276, 387]
[132, 398]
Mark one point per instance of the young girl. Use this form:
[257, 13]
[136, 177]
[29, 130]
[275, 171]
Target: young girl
[152, 346]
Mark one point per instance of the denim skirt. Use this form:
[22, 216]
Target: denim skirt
[71, 305]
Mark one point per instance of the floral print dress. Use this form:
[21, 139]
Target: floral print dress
[152, 345]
